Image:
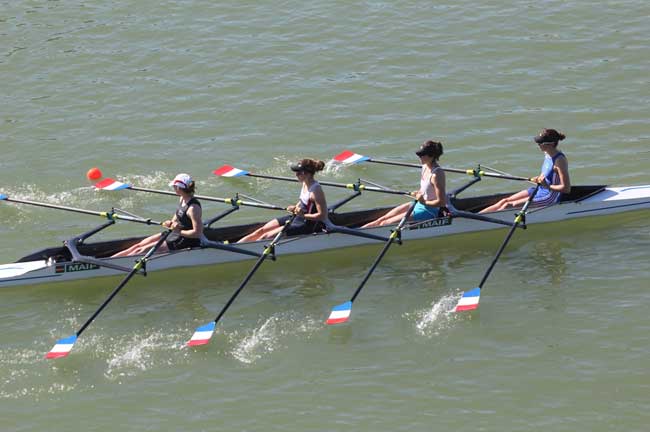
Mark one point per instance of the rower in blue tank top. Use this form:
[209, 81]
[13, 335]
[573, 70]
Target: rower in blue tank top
[553, 179]
[431, 197]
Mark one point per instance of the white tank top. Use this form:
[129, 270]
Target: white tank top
[426, 188]
[307, 204]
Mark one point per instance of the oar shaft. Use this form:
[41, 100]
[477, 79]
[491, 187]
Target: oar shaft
[518, 219]
[267, 251]
[478, 173]
[210, 198]
[374, 265]
[138, 265]
[393, 235]
[353, 186]
[107, 215]
[241, 286]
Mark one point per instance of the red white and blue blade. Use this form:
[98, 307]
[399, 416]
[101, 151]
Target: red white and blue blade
[229, 171]
[348, 157]
[340, 313]
[110, 184]
[62, 347]
[202, 334]
[469, 300]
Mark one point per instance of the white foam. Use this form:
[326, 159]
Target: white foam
[429, 322]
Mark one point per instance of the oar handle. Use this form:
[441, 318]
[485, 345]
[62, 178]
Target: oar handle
[107, 215]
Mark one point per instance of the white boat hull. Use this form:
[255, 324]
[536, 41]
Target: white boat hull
[611, 200]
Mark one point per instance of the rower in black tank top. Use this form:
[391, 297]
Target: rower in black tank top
[175, 241]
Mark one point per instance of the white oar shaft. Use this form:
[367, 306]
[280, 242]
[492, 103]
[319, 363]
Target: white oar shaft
[107, 215]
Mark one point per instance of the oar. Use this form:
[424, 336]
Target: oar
[348, 157]
[63, 346]
[203, 333]
[229, 171]
[470, 299]
[112, 185]
[341, 313]
[108, 215]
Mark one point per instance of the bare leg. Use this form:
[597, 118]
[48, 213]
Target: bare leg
[392, 220]
[271, 233]
[511, 201]
[142, 247]
[397, 211]
[260, 232]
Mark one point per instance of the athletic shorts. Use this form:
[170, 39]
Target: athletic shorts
[422, 212]
[544, 197]
[179, 242]
[300, 225]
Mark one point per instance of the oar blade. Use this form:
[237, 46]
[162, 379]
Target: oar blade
[110, 184]
[3, 197]
[202, 334]
[62, 347]
[348, 157]
[469, 300]
[340, 313]
[19, 269]
[229, 171]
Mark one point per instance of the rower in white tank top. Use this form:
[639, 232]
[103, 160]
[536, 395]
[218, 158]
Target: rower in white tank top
[421, 211]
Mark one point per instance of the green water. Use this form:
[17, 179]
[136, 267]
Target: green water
[145, 90]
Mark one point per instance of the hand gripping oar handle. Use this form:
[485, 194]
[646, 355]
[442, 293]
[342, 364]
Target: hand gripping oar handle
[108, 215]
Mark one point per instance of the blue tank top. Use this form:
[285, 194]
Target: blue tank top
[551, 178]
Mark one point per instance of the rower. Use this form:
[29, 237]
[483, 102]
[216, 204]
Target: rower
[186, 224]
[431, 197]
[554, 178]
[311, 208]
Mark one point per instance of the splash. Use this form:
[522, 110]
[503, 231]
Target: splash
[333, 168]
[439, 316]
[157, 179]
[140, 353]
[269, 336]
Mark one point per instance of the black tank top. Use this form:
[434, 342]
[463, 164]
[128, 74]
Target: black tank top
[181, 213]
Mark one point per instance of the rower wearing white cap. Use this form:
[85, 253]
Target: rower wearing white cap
[186, 224]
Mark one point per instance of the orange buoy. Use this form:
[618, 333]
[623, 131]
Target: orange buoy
[94, 174]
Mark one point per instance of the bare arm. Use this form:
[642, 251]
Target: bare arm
[562, 167]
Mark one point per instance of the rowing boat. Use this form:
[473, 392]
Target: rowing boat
[61, 264]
